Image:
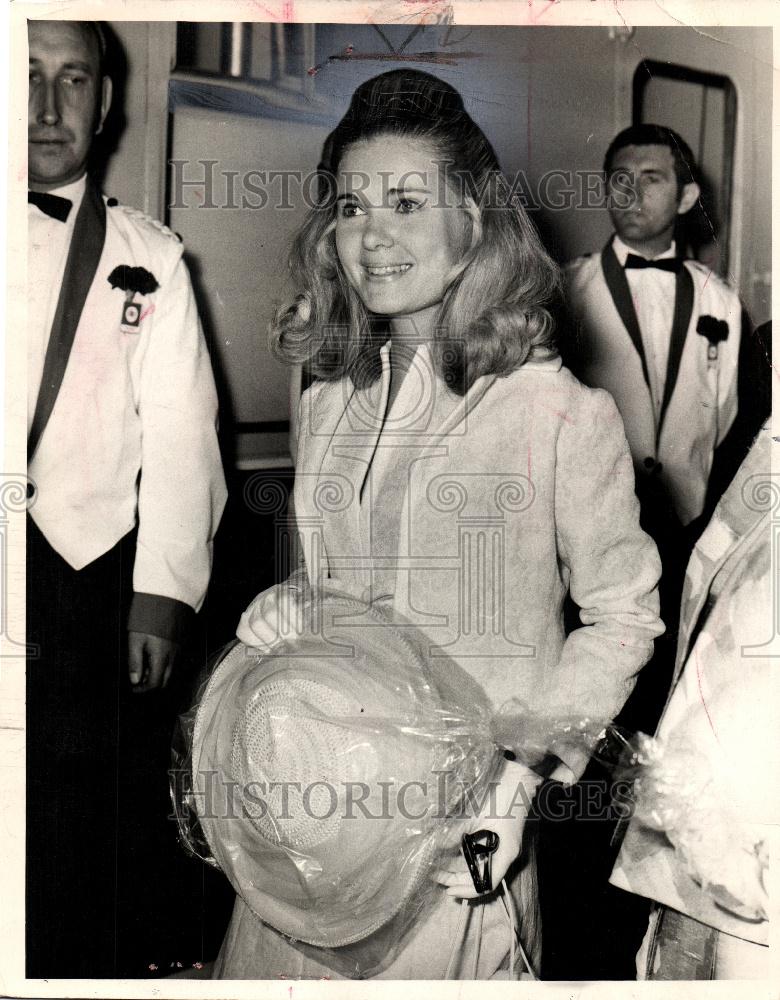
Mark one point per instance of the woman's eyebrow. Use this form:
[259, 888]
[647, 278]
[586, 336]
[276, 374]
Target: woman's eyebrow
[409, 190]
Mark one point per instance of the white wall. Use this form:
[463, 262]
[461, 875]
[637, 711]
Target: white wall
[136, 173]
[239, 255]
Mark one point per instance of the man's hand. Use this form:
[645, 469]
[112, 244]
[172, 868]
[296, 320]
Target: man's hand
[150, 660]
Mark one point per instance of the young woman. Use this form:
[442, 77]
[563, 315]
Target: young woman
[448, 464]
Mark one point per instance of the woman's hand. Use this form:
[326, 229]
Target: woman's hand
[277, 614]
[284, 610]
[504, 811]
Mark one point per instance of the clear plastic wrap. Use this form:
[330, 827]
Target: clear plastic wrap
[676, 793]
[326, 771]
[321, 771]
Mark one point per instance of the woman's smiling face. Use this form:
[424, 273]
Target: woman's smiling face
[399, 235]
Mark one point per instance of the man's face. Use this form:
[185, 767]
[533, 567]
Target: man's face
[68, 102]
[644, 196]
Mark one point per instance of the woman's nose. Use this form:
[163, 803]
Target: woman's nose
[378, 232]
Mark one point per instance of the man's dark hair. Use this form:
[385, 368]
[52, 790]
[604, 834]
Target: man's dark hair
[648, 134]
[96, 31]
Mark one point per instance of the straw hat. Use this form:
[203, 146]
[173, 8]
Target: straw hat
[319, 770]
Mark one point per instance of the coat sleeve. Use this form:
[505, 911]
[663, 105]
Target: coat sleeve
[613, 568]
[182, 488]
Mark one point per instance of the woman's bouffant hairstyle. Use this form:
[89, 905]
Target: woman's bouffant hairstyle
[493, 316]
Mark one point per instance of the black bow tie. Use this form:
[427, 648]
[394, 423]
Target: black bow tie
[50, 204]
[664, 264]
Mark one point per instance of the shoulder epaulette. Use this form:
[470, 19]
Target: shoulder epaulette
[138, 216]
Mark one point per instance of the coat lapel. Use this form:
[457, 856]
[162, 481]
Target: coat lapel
[341, 426]
[619, 290]
[337, 438]
[683, 308]
[617, 284]
[86, 247]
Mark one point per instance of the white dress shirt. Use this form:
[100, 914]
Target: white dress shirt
[652, 292]
[48, 244]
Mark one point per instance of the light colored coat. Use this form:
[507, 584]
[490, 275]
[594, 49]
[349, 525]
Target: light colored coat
[133, 402]
[508, 498]
[474, 516]
[704, 403]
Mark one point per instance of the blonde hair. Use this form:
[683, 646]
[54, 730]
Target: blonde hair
[493, 315]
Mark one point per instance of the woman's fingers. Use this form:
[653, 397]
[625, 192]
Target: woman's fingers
[454, 874]
[275, 615]
[457, 882]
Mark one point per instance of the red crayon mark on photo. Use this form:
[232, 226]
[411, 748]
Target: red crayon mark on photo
[273, 15]
[147, 312]
[703, 699]
[537, 16]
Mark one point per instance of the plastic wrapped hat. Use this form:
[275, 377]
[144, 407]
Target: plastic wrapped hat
[323, 769]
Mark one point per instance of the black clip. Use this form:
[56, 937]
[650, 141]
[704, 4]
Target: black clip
[477, 850]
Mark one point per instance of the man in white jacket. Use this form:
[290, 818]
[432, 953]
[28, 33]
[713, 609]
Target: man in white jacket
[662, 335]
[126, 491]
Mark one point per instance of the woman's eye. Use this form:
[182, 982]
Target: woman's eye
[407, 205]
[350, 210]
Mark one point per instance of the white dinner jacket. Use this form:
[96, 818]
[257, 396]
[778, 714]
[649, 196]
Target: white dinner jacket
[704, 402]
[133, 400]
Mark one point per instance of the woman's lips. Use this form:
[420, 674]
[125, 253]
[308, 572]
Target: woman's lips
[385, 272]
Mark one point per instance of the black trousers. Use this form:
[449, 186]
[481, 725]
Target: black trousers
[109, 891]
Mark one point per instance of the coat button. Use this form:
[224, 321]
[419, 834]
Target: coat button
[649, 463]
[30, 491]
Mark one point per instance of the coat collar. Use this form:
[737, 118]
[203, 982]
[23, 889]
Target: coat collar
[340, 429]
[340, 417]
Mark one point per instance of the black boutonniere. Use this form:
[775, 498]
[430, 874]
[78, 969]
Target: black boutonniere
[132, 280]
[715, 330]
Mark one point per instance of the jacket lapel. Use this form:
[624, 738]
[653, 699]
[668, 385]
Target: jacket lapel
[617, 284]
[683, 307]
[326, 491]
[86, 246]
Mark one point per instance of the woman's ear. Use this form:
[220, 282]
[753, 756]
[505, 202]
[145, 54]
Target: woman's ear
[471, 209]
[690, 195]
[469, 237]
